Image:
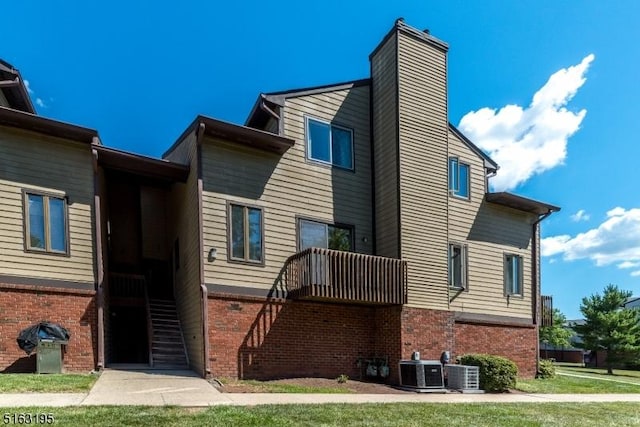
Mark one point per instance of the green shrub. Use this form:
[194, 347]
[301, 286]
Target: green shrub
[497, 374]
[342, 378]
[546, 369]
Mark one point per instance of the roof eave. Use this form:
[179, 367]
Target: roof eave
[488, 161]
[28, 121]
[140, 165]
[521, 203]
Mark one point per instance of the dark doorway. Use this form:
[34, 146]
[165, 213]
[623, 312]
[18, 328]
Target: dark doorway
[129, 335]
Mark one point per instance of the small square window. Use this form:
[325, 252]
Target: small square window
[46, 223]
[459, 178]
[513, 283]
[246, 236]
[328, 143]
[458, 266]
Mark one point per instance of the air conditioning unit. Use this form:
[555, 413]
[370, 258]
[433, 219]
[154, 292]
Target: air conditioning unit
[462, 377]
[421, 374]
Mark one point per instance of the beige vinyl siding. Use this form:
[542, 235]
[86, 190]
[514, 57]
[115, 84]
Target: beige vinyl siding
[3, 100]
[423, 170]
[29, 161]
[183, 223]
[490, 231]
[384, 77]
[286, 187]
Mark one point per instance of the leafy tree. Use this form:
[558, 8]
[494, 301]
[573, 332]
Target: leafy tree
[610, 327]
[556, 335]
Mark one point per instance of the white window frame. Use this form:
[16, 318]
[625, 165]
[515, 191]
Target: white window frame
[464, 266]
[331, 125]
[454, 175]
[519, 268]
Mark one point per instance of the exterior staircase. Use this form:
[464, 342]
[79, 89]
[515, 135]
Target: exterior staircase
[167, 343]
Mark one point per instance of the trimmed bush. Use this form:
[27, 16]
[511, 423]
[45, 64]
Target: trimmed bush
[546, 369]
[497, 374]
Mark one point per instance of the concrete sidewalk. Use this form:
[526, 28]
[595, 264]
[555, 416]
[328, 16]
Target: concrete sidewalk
[185, 388]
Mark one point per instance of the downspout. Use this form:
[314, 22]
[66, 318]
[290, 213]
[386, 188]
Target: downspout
[204, 299]
[99, 257]
[535, 280]
[264, 107]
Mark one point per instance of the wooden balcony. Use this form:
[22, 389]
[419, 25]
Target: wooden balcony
[324, 274]
[546, 309]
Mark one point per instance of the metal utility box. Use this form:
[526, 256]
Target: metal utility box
[49, 356]
[462, 377]
[421, 374]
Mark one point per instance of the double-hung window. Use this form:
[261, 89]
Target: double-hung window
[315, 234]
[513, 283]
[246, 234]
[458, 266]
[46, 223]
[328, 143]
[458, 178]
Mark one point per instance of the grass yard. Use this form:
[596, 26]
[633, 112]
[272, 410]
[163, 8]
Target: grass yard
[46, 383]
[618, 374]
[562, 384]
[520, 415]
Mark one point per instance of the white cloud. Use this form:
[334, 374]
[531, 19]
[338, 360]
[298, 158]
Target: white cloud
[36, 100]
[26, 84]
[615, 241]
[531, 140]
[581, 215]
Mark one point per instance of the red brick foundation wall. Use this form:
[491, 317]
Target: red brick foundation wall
[262, 340]
[22, 306]
[250, 338]
[512, 342]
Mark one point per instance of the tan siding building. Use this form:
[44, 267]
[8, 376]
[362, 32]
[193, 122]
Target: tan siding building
[26, 166]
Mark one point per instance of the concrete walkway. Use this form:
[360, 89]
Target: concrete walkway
[185, 388]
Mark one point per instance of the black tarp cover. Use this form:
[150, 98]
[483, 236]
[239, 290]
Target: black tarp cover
[29, 337]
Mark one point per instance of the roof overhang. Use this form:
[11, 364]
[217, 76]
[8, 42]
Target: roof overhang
[139, 165]
[520, 203]
[488, 161]
[242, 135]
[14, 89]
[27, 121]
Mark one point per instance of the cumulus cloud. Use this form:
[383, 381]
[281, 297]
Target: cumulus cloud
[615, 241]
[531, 140]
[581, 215]
[26, 84]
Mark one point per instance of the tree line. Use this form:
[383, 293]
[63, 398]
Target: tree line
[608, 325]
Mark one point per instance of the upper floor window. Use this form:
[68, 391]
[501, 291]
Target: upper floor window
[513, 275]
[328, 143]
[246, 234]
[458, 178]
[46, 223]
[315, 234]
[457, 266]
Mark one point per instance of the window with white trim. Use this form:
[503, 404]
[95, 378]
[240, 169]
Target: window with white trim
[329, 143]
[458, 266]
[459, 183]
[513, 277]
[46, 223]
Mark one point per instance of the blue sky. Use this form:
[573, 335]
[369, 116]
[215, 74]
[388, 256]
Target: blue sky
[139, 72]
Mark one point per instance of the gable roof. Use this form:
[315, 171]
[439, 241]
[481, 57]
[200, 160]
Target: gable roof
[27, 121]
[488, 161]
[14, 89]
[258, 115]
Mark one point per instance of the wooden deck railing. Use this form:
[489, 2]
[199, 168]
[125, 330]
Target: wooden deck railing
[329, 274]
[546, 308]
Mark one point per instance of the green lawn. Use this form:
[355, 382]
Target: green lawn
[46, 383]
[405, 414]
[618, 374]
